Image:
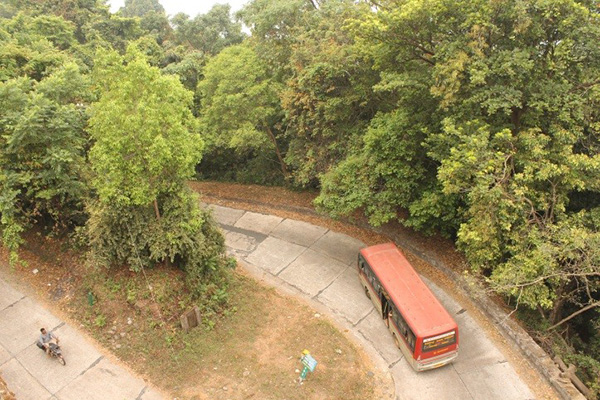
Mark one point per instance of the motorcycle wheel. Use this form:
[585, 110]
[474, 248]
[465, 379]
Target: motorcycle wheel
[61, 360]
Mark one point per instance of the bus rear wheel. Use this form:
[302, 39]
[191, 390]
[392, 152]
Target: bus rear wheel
[367, 293]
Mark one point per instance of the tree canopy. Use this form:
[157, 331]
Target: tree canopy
[97, 138]
[239, 105]
[143, 131]
[145, 148]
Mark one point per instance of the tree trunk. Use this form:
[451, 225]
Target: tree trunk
[541, 311]
[515, 119]
[157, 212]
[314, 3]
[156, 209]
[558, 303]
[576, 313]
[279, 157]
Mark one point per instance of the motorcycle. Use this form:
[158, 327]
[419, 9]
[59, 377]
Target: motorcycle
[55, 351]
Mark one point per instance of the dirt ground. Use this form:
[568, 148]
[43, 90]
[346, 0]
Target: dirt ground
[298, 205]
[5, 393]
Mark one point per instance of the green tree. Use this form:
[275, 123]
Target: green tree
[79, 12]
[527, 71]
[115, 32]
[329, 100]
[42, 153]
[139, 8]
[145, 148]
[187, 65]
[506, 133]
[33, 46]
[148, 46]
[391, 172]
[272, 23]
[240, 104]
[209, 33]
[157, 25]
[153, 136]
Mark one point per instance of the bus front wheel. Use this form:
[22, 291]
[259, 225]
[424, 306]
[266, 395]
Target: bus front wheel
[367, 293]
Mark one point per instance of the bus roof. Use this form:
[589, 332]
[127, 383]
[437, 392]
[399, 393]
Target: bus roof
[421, 309]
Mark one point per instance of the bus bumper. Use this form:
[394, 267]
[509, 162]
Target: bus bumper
[436, 362]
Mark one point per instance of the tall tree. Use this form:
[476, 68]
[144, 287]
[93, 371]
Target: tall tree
[139, 8]
[272, 23]
[34, 46]
[391, 172]
[209, 33]
[240, 104]
[152, 136]
[79, 12]
[157, 25]
[115, 32]
[525, 71]
[510, 128]
[329, 99]
[145, 148]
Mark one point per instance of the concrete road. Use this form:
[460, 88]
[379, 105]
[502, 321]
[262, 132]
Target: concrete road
[319, 265]
[32, 375]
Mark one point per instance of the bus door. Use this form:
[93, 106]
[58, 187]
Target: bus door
[386, 308]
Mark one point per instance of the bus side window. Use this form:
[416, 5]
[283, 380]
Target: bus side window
[404, 329]
[369, 273]
[374, 281]
[411, 340]
[361, 264]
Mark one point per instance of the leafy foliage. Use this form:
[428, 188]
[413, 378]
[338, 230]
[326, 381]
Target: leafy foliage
[490, 133]
[329, 100]
[239, 104]
[208, 33]
[143, 131]
[42, 157]
[132, 235]
[139, 8]
[145, 149]
[272, 23]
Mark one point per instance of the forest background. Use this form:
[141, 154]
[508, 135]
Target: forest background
[477, 119]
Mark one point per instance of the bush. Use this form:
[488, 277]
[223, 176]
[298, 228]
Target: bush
[588, 370]
[184, 235]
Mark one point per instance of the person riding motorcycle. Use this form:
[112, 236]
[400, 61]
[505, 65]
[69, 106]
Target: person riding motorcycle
[45, 339]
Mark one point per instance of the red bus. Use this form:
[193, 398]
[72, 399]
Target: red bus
[420, 325]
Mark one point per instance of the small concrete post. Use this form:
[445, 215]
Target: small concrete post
[190, 319]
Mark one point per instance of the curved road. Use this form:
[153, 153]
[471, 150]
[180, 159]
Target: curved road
[319, 265]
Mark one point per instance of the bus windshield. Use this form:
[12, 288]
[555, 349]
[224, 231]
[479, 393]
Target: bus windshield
[437, 342]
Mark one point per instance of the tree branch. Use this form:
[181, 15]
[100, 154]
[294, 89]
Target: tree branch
[279, 156]
[314, 3]
[545, 277]
[585, 85]
[576, 313]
